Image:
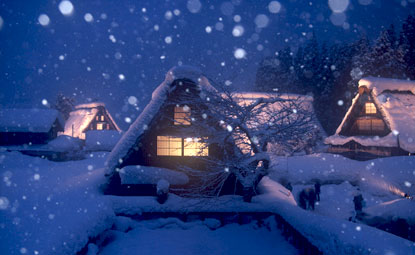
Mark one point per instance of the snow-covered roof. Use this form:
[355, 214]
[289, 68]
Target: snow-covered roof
[81, 118]
[90, 105]
[379, 85]
[158, 98]
[28, 120]
[397, 109]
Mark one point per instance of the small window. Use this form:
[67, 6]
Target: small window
[102, 117]
[195, 147]
[169, 146]
[97, 118]
[182, 115]
[100, 126]
[363, 125]
[370, 108]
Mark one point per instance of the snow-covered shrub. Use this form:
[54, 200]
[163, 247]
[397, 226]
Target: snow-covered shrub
[163, 187]
[64, 143]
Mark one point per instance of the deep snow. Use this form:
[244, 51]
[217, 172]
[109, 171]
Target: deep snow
[56, 207]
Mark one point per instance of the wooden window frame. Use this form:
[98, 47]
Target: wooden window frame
[182, 116]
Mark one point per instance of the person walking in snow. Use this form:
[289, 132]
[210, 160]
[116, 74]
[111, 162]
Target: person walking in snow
[358, 203]
[317, 186]
[311, 195]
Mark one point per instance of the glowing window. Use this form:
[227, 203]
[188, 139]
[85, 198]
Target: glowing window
[96, 118]
[169, 146]
[378, 125]
[182, 115]
[100, 126]
[370, 125]
[370, 108]
[195, 147]
[102, 117]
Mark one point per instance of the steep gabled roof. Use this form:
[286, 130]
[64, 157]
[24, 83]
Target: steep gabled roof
[159, 96]
[396, 101]
[29, 120]
[81, 117]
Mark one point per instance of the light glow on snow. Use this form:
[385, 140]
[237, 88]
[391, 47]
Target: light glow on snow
[43, 20]
[66, 8]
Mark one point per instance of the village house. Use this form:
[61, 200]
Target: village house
[167, 140]
[29, 126]
[379, 123]
[88, 117]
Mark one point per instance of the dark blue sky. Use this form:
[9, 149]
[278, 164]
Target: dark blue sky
[131, 40]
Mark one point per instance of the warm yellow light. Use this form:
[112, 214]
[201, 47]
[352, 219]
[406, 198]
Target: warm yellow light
[182, 115]
[193, 147]
[169, 146]
[100, 126]
[370, 108]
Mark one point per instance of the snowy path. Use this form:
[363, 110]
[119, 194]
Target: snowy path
[197, 238]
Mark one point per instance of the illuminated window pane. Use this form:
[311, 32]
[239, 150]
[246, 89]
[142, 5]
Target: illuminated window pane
[100, 126]
[377, 125]
[97, 118]
[102, 117]
[370, 108]
[363, 125]
[182, 115]
[169, 146]
[194, 147]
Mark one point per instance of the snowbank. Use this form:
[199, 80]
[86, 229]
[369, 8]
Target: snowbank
[64, 143]
[101, 140]
[398, 208]
[151, 175]
[333, 236]
[49, 207]
[381, 177]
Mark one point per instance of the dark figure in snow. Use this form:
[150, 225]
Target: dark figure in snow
[317, 189]
[307, 198]
[302, 200]
[358, 203]
[289, 187]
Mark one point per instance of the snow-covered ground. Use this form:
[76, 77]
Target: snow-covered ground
[172, 236]
[56, 208]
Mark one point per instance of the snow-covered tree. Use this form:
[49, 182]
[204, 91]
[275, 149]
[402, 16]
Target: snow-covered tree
[64, 105]
[242, 127]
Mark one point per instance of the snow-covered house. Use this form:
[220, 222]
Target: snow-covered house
[29, 126]
[380, 121]
[162, 139]
[86, 117]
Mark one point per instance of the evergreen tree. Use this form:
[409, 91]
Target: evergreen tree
[407, 45]
[388, 60]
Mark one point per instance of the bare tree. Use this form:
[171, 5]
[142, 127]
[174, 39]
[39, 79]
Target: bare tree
[242, 127]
